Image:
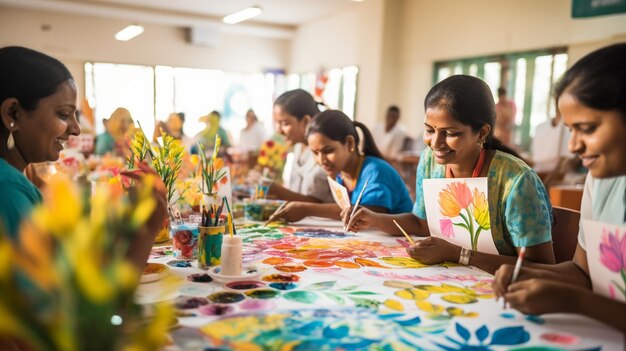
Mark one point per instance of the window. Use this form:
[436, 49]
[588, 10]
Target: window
[339, 91]
[152, 93]
[529, 78]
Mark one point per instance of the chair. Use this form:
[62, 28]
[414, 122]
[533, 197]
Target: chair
[564, 233]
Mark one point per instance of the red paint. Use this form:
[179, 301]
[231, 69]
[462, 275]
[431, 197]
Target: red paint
[346, 264]
[562, 339]
[281, 278]
[290, 269]
[318, 263]
[276, 260]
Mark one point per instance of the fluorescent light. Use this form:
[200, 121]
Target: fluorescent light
[128, 33]
[243, 15]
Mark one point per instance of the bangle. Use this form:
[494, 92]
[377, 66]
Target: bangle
[464, 257]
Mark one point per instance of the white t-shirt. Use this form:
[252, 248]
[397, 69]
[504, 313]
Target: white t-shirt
[549, 145]
[252, 139]
[389, 143]
[306, 177]
[603, 201]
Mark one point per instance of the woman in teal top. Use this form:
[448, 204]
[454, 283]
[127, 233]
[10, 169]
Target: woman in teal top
[519, 205]
[591, 99]
[334, 141]
[458, 129]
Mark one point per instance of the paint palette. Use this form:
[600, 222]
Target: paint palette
[153, 272]
[248, 273]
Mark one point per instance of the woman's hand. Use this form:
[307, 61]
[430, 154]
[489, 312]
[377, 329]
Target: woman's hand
[293, 211]
[363, 218]
[433, 250]
[539, 296]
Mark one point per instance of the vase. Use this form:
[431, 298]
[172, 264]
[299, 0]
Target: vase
[184, 240]
[210, 246]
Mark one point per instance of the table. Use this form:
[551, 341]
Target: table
[317, 288]
[568, 196]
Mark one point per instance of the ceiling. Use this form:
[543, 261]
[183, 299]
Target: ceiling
[279, 17]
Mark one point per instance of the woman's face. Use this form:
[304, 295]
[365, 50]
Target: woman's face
[289, 126]
[598, 137]
[330, 154]
[41, 133]
[452, 142]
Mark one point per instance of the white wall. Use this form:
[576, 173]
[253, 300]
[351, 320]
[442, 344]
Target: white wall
[76, 39]
[348, 38]
[448, 29]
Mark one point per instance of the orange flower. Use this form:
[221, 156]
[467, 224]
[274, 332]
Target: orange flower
[449, 207]
[462, 193]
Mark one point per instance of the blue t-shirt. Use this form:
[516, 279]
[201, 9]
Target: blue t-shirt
[385, 187]
[18, 195]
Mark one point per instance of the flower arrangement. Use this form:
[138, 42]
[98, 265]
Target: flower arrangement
[613, 257]
[212, 170]
[65, 283]
[457, 198]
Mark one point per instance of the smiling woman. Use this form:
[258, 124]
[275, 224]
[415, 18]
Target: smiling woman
[37, 115]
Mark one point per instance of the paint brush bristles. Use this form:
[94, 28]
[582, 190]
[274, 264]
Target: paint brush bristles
[272, 216]
[518, 264]
[404, 232]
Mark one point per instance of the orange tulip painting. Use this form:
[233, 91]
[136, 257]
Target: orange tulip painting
[458, 200]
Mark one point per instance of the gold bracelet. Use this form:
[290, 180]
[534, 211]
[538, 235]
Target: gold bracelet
[464, 258]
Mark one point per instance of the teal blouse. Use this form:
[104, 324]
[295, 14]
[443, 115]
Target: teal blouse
[519, 207]
[18, 195]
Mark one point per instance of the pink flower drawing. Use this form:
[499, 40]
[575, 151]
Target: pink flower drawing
[447, 227]
[613, 257]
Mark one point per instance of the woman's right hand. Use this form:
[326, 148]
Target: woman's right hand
[363, 218]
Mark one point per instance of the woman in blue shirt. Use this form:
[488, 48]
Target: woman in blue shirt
[334, 141]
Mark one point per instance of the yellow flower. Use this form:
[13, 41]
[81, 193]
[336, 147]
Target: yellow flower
[448, 204]
[62, 209]
[481, 209]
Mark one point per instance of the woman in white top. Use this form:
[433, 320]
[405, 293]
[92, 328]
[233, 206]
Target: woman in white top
[251, 138]
[292, 113]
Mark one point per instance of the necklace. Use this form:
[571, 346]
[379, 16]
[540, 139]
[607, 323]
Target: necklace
[350, 184]
[477, 169]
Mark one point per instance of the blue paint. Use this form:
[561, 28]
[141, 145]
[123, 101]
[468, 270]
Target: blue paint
[508, 315]
[179, 264]
[283, 286]
[320, 233]
[536, 319]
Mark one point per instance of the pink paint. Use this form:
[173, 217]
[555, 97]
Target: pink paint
[432, 278]
[216, 310]
[256, 304]
[326, 270]
[562, 339]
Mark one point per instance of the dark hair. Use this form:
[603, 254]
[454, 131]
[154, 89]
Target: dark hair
[181, 115]
[335, 125]
[468, 99]
[29, 75]
[394, 108]
[298, 103]
[501, 91]
[598, 80]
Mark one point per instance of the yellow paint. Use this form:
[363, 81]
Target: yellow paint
[398, 284]
[394, 305]
[413, 294]
[460, 299]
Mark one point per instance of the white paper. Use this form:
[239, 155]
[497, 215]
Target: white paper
[340, 193]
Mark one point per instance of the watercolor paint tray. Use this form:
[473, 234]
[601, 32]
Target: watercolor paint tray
[153, 272]
[248, 273]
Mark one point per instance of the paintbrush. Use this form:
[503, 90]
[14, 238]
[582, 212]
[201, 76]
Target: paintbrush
[269, 220]
[356, 204]
[404, 232]
[518, 264]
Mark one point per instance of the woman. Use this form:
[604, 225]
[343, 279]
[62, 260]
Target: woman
[115, 138]
[334, 141]
[591, 98]
[292, 113]
[37, 111]
[460, 117]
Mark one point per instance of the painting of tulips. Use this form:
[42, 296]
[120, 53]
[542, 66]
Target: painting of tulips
[458, 211]
[606, 255]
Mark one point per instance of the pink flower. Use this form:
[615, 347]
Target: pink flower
[447, 229]
[613, 252]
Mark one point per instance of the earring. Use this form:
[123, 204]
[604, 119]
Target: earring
[10, 140]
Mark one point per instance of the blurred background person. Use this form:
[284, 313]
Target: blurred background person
[505, 119]
[118, 127]
[251, 139]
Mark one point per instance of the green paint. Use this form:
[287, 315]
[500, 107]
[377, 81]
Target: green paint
[226, 297]
[301, 296]
[262, 294]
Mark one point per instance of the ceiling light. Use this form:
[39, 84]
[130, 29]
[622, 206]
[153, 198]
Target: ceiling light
[129, 32]
[243, 15]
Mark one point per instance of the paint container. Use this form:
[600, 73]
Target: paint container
[184, 240]
[210, 246]
[232, 256]
[260, 210]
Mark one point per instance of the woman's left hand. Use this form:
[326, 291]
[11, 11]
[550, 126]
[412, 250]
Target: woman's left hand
[292, 212]
[433, 250]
